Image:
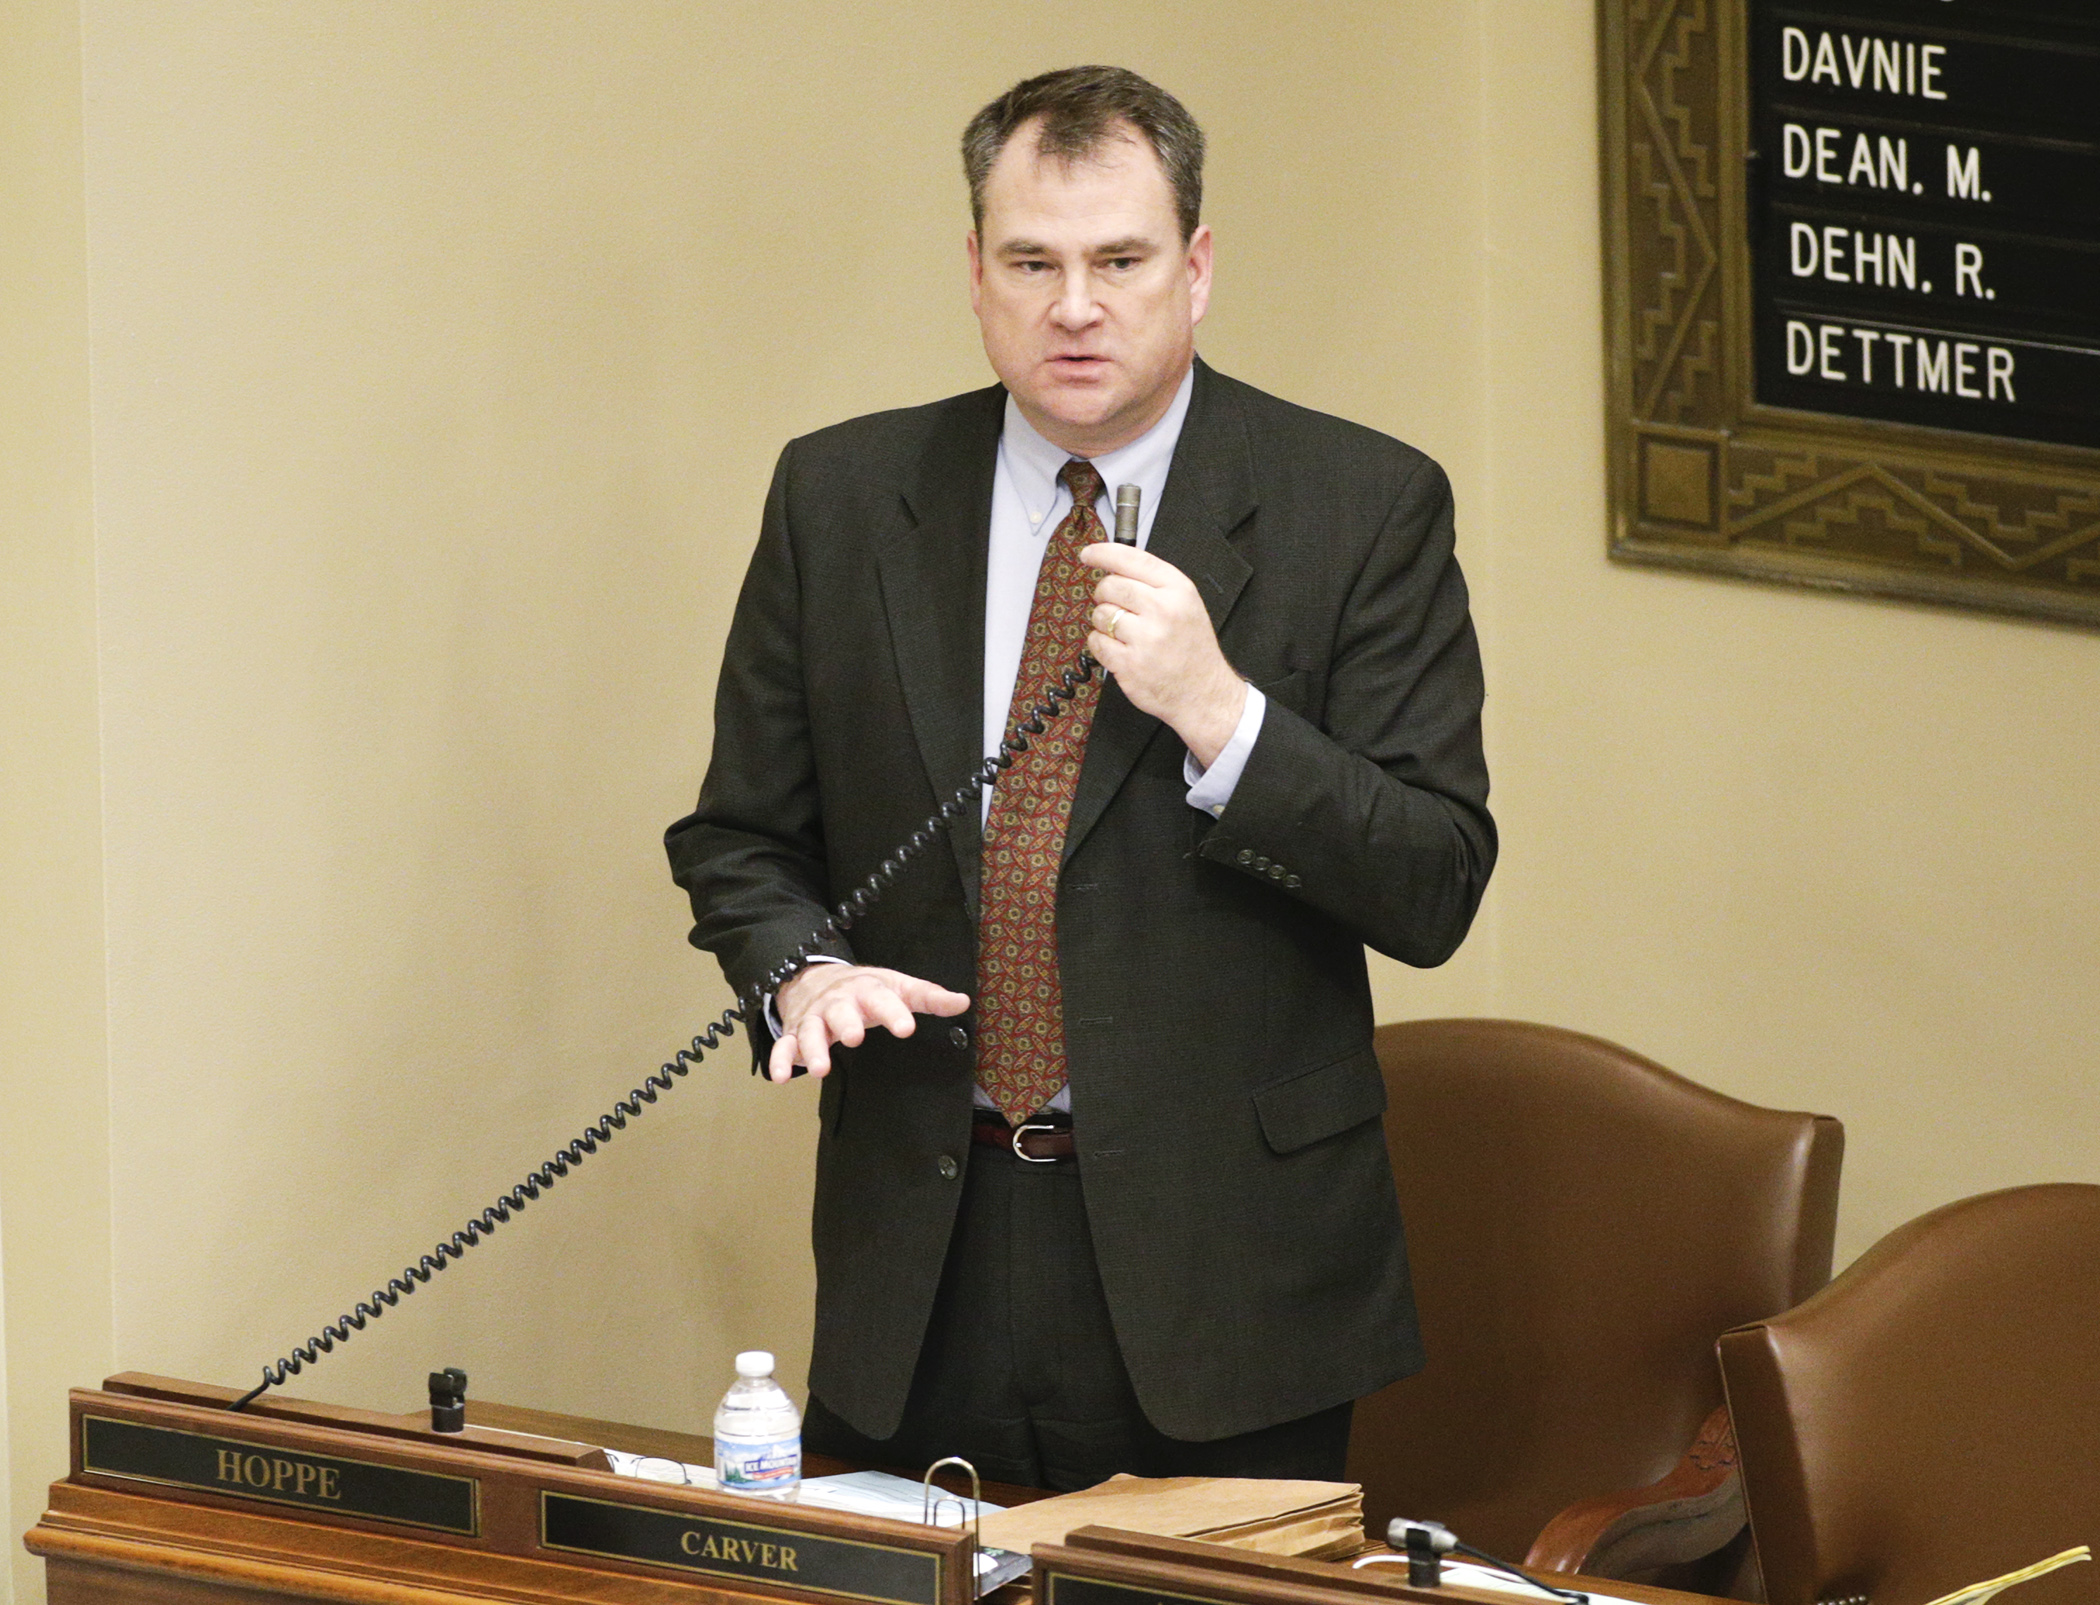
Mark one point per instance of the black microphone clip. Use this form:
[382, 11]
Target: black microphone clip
[448, 1400]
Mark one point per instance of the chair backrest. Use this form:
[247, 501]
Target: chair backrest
[1582, 1225]
[1932, 1418]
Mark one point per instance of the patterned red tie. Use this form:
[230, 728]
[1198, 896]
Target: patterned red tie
[1020, 1000]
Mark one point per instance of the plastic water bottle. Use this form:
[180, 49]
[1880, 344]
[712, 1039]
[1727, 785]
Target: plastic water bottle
[758, 1433]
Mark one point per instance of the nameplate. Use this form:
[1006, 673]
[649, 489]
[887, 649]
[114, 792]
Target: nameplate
[208, 1464]
[1061, 1588]
[747, 1551]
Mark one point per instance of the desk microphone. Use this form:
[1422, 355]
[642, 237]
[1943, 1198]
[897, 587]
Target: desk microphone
[1426, 1542]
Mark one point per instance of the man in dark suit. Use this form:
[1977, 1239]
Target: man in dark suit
[1130, 1209]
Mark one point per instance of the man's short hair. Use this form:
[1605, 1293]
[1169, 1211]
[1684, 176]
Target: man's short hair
[1080, 108]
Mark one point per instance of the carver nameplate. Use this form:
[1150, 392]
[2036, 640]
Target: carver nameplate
[204, 1463]
[748, 1551]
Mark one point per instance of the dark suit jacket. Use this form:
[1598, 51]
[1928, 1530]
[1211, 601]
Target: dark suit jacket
[1217, 1012]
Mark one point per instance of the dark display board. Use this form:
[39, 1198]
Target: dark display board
[1925, 213]
[1853, 253]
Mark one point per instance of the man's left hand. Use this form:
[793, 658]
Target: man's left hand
[1163, 651]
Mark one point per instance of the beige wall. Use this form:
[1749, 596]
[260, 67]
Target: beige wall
[435, 358]
[55, 1294]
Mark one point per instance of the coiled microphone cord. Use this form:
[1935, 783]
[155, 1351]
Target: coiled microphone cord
[1056, 699]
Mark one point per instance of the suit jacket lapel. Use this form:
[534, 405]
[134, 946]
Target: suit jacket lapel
[933, 574]
[1210, 493]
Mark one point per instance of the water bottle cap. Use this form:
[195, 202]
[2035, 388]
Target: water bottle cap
[754, 1363]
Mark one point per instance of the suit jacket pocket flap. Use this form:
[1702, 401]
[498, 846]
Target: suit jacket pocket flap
[1288, 689]
[1301, 1109]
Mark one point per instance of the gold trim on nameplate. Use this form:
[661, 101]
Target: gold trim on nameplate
[794, 1539]
[362, 1510]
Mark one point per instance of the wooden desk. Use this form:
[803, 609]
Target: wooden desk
[687, 1447]
[112, 1541]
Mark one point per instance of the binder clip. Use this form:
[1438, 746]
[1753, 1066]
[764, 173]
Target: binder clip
[933, 1498]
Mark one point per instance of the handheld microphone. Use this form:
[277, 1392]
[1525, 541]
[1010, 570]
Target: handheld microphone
[1127, 499]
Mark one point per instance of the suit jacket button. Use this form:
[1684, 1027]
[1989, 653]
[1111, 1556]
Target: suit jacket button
[958, 1037]
[1276, 872]
[1244, 856]
[949, 1169]
[1260, 863]
[1292, 883]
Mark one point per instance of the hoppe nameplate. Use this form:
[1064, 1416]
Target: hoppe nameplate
[208, 1464]
[748, 1551]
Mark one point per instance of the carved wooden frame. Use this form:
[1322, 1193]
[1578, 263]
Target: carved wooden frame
[1704, 477]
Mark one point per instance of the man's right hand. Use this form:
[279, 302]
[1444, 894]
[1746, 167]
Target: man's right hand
[838, 1003]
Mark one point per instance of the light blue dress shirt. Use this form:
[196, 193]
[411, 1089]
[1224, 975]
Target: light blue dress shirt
[1029, 501]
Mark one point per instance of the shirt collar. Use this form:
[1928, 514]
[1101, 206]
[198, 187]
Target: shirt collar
[1034, 463]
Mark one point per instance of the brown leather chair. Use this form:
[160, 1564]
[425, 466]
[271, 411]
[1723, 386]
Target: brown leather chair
[1932, 1418]
[1582, 1225]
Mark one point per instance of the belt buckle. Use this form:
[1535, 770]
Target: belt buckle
[1028, 1158]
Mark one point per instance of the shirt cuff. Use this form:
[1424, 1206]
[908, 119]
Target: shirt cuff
[1211, 789]
[773, 1018]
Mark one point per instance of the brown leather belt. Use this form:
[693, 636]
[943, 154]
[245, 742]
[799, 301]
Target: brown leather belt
[1040, 1142]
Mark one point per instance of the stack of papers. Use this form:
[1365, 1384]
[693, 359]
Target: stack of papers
[1315, 1520]
[655, 1468]
[877, 1493]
